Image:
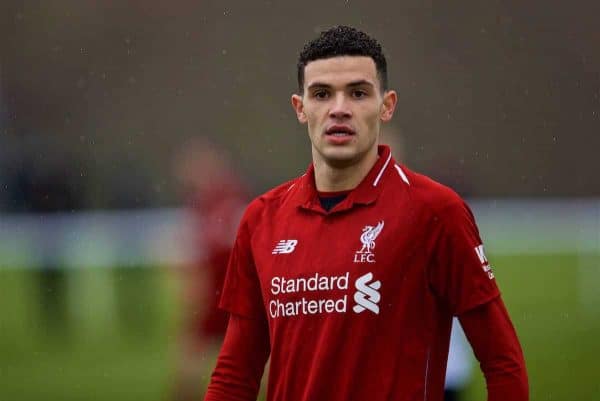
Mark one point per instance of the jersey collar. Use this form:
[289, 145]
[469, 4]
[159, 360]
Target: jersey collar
[367, 192]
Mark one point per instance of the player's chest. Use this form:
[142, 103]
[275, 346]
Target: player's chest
[309, 248]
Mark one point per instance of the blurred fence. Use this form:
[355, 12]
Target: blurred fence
[97, 239]
[166, 236]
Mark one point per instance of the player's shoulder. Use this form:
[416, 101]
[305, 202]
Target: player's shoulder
[270, 201]
[432, 194]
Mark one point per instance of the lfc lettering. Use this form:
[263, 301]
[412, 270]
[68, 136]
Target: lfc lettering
[364, 258]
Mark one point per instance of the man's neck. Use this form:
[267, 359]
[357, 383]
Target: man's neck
[330, 178]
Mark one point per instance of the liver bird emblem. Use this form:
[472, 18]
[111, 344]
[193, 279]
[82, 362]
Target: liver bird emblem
[368, 237]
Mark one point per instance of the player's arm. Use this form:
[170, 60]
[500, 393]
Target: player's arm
[463, 278]
[496, 346]
[241, 362]
[245, 350]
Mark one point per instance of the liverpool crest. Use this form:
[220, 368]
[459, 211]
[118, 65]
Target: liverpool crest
[368, 236]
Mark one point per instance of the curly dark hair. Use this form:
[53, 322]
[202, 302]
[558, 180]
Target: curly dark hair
[342, 41]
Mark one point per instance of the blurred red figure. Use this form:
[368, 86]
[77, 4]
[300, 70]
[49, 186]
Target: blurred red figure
[216, 199]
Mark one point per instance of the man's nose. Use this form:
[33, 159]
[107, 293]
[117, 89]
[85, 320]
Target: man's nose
[340, 107]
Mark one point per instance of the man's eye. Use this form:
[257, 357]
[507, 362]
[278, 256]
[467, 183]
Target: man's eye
[358, 94]
[321, 94]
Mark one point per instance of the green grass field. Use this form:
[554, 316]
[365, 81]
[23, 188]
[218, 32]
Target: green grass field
[120, 338]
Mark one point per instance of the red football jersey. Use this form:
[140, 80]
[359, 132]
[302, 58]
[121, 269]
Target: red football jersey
[217, 214]
[359, 300]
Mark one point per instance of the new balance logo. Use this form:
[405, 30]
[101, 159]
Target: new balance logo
[367, 296]
[285, 246]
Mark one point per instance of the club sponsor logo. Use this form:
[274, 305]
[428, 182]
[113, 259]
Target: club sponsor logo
[367, 238]
[321, 301]
[285, 246]
[485, 265]
[366, 296]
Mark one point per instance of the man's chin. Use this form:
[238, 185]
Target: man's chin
[340, 158]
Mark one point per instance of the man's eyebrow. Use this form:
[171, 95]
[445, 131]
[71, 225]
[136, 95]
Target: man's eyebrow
[361, 83]
[318, 85]
[352, 84]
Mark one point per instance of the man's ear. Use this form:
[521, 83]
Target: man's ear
[390, 99]
[298, 105]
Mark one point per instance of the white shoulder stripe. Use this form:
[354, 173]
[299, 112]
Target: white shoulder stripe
[402, 174]
[295, 181]
[382, 170]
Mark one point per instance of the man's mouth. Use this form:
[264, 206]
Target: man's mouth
[339, 130]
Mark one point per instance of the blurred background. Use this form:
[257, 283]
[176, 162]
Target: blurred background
[106, 112]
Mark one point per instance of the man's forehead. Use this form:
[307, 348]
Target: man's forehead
[341, 70]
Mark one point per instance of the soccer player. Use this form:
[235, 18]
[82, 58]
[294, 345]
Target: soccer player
[348, 277]
[216, 198]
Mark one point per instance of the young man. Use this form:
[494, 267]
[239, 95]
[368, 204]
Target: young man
[348, 276]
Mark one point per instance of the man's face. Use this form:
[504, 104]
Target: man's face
[343, 106]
